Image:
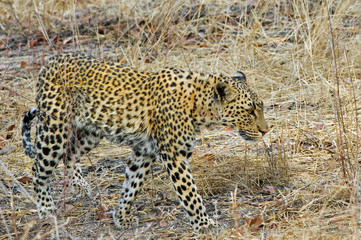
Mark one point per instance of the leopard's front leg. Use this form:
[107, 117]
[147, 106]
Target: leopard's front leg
[186, 190]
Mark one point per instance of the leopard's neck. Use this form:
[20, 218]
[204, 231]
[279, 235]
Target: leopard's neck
[205, 111]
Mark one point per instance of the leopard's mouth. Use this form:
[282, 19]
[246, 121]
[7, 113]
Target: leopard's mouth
[250, 136]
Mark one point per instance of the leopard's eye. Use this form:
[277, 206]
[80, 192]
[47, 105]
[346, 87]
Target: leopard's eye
[252, 112]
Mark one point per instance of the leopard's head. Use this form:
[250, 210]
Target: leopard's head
[239, 107]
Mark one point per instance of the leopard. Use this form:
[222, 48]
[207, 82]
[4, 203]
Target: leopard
[81, 100]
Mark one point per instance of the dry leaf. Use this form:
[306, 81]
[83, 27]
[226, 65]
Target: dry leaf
[238, 232]
[318, 126]
[204, 45]
[24, 180]
[67, 40]
[12, 93]
[228, 128]
[254, 223]
[122, 60]
[270, 189]
[3, 43]
[33, 43]
[100, 213]
[11, 127]
[163, 223]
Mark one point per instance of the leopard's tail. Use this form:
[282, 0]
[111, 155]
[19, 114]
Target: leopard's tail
[26, 132]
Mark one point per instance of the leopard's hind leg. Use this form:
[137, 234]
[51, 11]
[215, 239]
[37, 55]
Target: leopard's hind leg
[81, 142]
[55, 142]
[136, 171]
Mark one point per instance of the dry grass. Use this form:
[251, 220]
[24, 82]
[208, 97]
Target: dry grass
[302, 181]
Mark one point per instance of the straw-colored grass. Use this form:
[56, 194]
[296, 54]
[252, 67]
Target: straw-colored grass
[302, 181]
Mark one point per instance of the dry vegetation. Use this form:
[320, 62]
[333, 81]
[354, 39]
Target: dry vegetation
[302, 181]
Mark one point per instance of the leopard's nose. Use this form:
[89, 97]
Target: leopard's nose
[263, 131]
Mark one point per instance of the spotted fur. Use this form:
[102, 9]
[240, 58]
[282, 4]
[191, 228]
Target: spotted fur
[81, 100]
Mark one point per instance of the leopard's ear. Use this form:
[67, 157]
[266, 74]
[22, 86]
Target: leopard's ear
[224, 92]
[239, 76]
